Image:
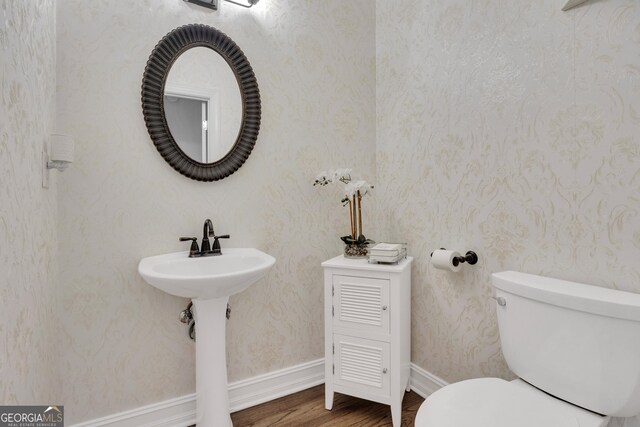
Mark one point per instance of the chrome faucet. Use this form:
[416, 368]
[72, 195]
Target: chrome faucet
[205, 249]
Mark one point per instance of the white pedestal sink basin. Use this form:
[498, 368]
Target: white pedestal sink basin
[209, 282]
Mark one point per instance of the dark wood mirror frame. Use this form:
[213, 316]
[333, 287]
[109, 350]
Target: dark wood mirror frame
[160, 62]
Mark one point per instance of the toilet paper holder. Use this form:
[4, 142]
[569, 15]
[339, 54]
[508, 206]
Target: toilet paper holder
[470, 257]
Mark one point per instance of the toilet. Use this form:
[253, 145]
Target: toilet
[574, 347]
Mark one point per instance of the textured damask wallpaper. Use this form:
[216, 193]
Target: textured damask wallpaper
[120, 201]
[29, 327]
[513, 129]
[509, 128]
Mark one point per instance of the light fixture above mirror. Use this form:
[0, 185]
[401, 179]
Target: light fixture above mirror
[213, 4]
[573, 3]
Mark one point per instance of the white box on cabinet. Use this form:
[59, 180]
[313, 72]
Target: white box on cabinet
[367, 331]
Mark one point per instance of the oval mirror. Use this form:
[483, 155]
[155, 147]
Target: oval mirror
[201, 102]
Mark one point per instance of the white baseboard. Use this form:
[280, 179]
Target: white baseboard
[178, 412]
[181, 411]
[264, 388]
[425, 383]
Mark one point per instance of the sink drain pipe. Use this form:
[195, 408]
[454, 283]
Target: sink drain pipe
[186, 316]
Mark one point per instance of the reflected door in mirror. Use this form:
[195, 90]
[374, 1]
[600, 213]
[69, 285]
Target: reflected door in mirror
[203, 105]
[188, 120]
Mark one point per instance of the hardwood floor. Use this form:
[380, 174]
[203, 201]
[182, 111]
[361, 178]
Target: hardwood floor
[306, 409]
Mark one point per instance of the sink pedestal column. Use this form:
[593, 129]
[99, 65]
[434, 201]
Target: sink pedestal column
[211, 363]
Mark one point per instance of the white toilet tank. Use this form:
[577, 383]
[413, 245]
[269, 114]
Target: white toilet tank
[577, 342]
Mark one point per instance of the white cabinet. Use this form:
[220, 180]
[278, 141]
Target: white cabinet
[367, 331]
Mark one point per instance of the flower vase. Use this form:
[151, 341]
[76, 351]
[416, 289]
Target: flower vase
[356, 250]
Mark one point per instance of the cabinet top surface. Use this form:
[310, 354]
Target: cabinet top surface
[363, 264]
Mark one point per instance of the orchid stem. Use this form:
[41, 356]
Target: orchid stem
[355, 218]
[359, 214]
[351, 208]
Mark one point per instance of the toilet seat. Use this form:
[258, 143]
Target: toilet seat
[493, 402]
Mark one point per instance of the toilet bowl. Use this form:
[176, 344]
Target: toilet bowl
[575, 348]
[494, 402]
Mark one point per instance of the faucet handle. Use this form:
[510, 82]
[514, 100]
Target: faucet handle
[194, 244]
[216, 244]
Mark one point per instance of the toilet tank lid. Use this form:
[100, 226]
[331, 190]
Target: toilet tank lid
[572, 295]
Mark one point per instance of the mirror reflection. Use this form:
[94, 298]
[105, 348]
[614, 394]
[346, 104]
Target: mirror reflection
[203, 105]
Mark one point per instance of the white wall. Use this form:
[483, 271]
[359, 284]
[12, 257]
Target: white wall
[315, 64]
[513, 129]
[29, 326]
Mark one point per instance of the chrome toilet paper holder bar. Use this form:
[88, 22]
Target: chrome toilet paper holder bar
[470, 257]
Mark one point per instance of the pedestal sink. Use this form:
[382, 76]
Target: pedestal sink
[209, 282]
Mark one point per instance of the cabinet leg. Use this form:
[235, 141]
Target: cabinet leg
[408, 388]
[328, 397]
[396, 413]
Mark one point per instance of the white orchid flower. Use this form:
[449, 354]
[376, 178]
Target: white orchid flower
[323, 178]
[333, 176]
[352, 188]
[343, 175]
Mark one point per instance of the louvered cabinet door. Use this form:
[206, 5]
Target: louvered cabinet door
[361, 303]
[362, 364]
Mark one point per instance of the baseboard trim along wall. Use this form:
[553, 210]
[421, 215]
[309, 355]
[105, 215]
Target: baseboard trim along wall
[181, 411]
[176, 412]
[425, 383]
[243, 394]
[263, 388]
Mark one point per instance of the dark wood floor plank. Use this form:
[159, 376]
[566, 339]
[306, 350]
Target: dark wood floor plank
[306, 409]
